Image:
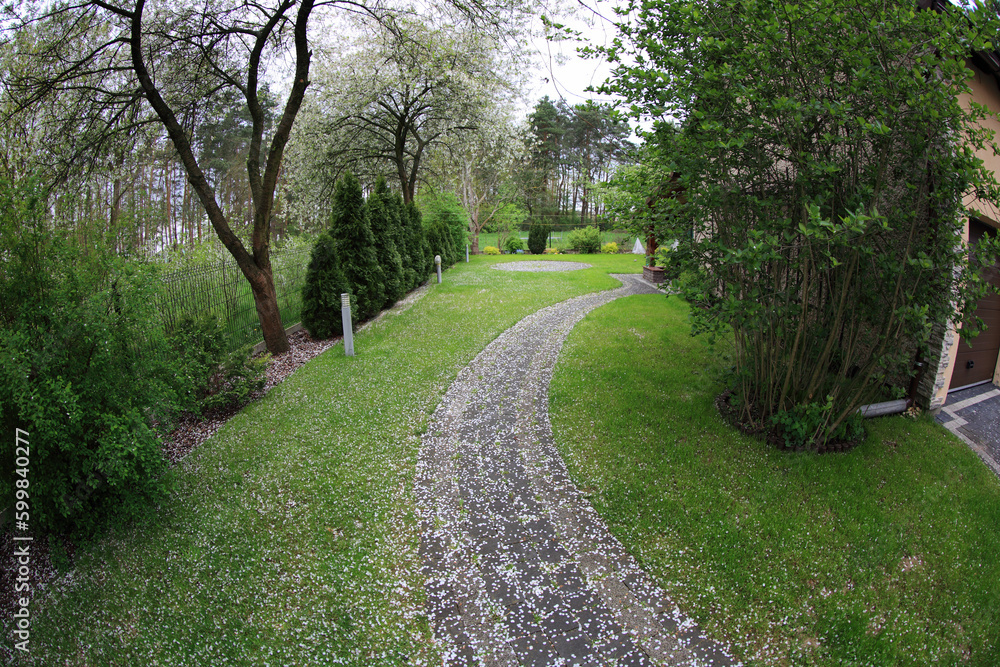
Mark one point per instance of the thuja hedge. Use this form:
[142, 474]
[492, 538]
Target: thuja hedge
[376, 251]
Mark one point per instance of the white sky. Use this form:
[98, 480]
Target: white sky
[562, 73]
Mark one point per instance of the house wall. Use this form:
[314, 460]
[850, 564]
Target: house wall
[985, 90]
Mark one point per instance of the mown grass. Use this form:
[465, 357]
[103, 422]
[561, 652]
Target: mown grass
[886, 555]
[290, 537]
[559, 237]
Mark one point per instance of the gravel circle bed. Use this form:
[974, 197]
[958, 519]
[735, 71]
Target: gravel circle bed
[520, 569]
[536, 265]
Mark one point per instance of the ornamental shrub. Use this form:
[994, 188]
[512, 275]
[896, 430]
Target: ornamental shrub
[513, 243]
[355, 245]
[441, 241]
[551, 251]
[585, 239]
[806, 426]
[609, 248]
[445, 216]
[423, 260]
[325, 282]
[408, 247]
[209, 377]
[385, 223]
[490, 250]
[538, 237]
[83, 370]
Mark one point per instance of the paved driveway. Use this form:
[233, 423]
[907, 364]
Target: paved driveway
[974, 416]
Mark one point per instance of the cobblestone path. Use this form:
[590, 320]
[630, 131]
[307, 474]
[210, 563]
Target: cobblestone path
[520, 569]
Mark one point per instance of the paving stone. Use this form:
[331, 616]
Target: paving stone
[534, 651]
[463, 656]
[521, 620]
[559, 621]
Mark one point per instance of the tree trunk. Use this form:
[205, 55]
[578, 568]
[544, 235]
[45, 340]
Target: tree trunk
[265, 298]
[475, 244]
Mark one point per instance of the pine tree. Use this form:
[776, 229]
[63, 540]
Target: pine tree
[325, 282]
[384, 228]
[355, 245]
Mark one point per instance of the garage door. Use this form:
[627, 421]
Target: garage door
[976, 363]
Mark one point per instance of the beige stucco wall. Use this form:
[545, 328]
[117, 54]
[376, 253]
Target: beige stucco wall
[984, 91]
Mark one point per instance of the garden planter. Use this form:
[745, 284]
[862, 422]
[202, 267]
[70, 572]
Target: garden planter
[653, 274]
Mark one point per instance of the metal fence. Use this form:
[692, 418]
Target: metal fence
[220, 289]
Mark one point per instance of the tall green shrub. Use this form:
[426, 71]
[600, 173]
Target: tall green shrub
[385, 223]
[447, 223]
[355, 245]
[409, 255]
[538, 236]
[325, 282]
[441, 240]
[823, 175]
[82, 370]
[423, 257]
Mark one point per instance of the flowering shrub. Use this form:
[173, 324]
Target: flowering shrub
[551, 251]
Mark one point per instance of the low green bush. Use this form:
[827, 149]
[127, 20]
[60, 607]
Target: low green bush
[585, 239]
[209, 377]
[609, 248]
[513, 243]
[805, 426]
[490, 250]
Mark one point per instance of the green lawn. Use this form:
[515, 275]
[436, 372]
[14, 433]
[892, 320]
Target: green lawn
[289, 537]
[886, 555]
[490, 238]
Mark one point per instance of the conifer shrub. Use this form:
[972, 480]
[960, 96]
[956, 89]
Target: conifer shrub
[538, 237]
[325, 282]
[355, 246]
[423, 258]
[410, 256]
[441, 240]
[384, 220]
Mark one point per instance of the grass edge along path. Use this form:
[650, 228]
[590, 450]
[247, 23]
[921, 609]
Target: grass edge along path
[886, 555]
[290, 536]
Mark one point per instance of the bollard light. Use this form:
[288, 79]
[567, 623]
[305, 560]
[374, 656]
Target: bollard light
[345, 313]
[437, 262]
[466, 253]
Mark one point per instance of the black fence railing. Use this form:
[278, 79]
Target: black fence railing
[220, 289]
